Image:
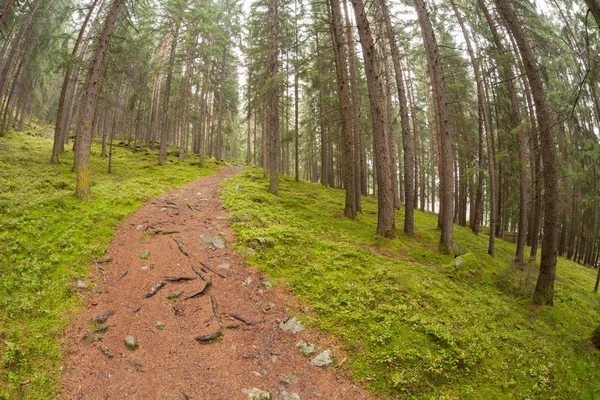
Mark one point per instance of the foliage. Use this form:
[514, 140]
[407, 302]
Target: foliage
[419, 330]
[47, 242]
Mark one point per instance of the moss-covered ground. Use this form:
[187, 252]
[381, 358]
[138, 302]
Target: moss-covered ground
[47, 240]
[412, 322]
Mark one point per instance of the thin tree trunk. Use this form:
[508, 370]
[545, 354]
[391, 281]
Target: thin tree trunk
[59, 140]
[409, 188]
[272, 122]
[164, 136]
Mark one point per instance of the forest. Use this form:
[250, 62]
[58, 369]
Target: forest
[415, 180]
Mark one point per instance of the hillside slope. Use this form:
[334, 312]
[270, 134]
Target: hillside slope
[413, 324]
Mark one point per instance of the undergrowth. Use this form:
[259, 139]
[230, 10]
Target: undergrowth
[414, 324]
[47, 239]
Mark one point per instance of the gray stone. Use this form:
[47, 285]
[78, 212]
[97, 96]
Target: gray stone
[139, 227]
[292, 325]
[267, 285]
[160, 325]
[81, 284]
[263, 242]
[323, 360]
[306, 348]
[288, 396]
[215, 241]
[459, 262]
[219, 226]
[248, 281]
[257, 394]
[250, 252]
[288, 379]
[224, 266]
[131, 342]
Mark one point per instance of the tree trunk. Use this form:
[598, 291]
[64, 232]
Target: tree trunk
[272, 97]
[404, 123]
[164, 135]
[385, 199]
[59, 140]
[89, 100]
[341, 69]
[544, 291]
[436, 74]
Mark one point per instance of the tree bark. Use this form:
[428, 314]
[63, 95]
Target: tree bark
[436, 74]
[341, 69]
[385, 199]
[59, 140]
[409, 177]
[89, 100]
[544, 291]
[272, 97]
[164, 135]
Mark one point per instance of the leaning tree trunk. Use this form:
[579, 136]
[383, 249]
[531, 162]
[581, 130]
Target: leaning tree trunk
[59, 140]
[409, 179]
[544, 291]
[89, 101]
[446, 172]
[341, 69]
[385, 196]
[485, 115]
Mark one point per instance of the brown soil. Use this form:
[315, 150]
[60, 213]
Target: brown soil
[169, 363]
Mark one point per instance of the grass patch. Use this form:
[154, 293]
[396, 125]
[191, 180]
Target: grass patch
[422, 326]
[47, 239]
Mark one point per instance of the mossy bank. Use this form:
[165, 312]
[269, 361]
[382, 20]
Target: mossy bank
[414, 323]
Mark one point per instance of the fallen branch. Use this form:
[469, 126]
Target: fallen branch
[161, 232]
[175, 294]
[103, 272]
[200, 292]
[181, 248]
[198, 273]
[247, 321]
[215, 308]
[179, 278]
[213, 271]
[209, 337]
[154, 290]
[105, 260]
[123, 274]
[100, 319]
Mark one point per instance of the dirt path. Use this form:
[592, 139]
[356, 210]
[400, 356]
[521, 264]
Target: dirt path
[169, 363]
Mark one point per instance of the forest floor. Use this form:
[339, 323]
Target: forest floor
[184, 234]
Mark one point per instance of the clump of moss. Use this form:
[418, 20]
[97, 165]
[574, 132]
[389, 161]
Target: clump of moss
[464, 266]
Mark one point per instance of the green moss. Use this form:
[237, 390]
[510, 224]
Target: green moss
[406, 315]
[47, 239]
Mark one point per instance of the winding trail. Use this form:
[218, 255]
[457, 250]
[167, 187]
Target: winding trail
[169, 364]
